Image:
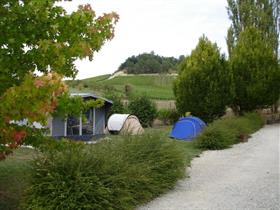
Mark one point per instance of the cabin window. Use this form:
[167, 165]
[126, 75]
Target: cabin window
[87, 123]
[73, 126]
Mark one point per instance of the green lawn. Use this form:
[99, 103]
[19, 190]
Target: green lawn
[14, 176]
[154, 86]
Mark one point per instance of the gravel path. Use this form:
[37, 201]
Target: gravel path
[245, 177]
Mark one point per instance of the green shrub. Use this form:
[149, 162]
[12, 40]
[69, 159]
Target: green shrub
[144, 109]
[38, 139]
[117, 107]
[168, 116]
[215, 137]
[223, 133]
[119, 174]
[237, 125]
[244, 125]
[256, 120]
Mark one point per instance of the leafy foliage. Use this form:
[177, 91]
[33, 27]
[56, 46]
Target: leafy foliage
[148, 63]
[261, 14]
[224, 133]
[203, 86]
[39, 35]
[168, 116]
[33, 101]
[74, 105]
[215, 137]
[17, 168]
[144, 109]
[119, 174]
[255, 71]
[117, 107]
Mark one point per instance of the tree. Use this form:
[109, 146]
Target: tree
[203, 86]
[33, 100]
[74, 106]
[261, 14]
[38, 36]
[117, 107]
[128, 89]
[148, 63]
[255, 71]
[144, 109]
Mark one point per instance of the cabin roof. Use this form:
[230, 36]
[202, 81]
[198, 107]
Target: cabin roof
[91, 95]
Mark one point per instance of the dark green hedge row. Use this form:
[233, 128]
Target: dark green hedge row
[113, 174]
[224, 133]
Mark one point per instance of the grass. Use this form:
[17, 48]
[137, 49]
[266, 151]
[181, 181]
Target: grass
[121, 172]
[15, 170]
[189, 148]
[146, 167]
[153, 86]
[223, 133]
[14, 177]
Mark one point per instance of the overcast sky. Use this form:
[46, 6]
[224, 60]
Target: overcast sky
[167, 27]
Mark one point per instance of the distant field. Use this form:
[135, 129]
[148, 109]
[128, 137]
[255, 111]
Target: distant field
[154, 86]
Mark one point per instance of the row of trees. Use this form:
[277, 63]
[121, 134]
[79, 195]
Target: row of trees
[248, 79]
[148, 63]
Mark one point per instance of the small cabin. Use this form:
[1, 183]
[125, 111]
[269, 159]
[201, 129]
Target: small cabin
[86, 127]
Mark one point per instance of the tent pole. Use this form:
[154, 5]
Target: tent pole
[65, 126]
[81, 125]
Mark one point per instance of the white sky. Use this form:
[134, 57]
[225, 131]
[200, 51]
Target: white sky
[167, 27]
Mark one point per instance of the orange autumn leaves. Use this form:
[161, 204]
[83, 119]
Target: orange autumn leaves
[32, 101]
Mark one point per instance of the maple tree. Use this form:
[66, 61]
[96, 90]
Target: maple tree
[31, 101]
[40, 36]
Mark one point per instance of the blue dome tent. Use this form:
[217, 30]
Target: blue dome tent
[187, 128]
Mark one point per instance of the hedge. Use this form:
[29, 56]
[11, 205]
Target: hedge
[224, 133]
[119, 174]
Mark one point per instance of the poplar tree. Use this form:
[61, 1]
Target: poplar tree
[261, 14]
[253, 46]
[255, 72]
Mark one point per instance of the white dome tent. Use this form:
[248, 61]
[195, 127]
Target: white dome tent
[124, 124]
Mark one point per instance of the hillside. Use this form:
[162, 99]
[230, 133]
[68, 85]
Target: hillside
[154, 86]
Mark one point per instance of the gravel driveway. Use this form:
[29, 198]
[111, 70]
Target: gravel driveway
[243, 177]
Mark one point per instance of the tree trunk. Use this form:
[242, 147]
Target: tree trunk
[236, 110]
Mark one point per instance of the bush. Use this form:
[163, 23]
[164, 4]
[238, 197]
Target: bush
[144, 109]
[256, 121]
[224, 132]
[168, 116]
[237, 125]
[117, 107]
[215, 137]
[119, 174]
